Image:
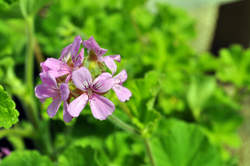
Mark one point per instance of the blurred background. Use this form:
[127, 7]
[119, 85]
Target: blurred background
[188, 66]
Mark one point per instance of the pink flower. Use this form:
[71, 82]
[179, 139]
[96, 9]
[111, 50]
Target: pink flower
[58, 68]
[122, 93]
[92, 92]
[96, 53]
[60, 94]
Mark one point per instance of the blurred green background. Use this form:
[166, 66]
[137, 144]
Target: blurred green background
[188, 66]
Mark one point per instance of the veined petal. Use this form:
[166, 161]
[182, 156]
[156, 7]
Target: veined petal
[121, 77]
[122, 93]
[82, 78]
[110, 63]
[76, 46]
[77, 60]
[116, 57]
[43, 91]
[48, 79]
[65, 54]
[54, 106]
[103, 83]
[91, 44]
[66, 116]
[101, 107]
[64, 91]
[56, 67]
[77, 105]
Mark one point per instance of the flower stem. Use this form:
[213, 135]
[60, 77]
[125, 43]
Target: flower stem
[29, 69]
[123, 125]
[149, 151]
[43, 133]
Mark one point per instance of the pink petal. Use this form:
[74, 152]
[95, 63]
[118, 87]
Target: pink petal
[101, 107]
[110, 63]
[48, 79]
[91, 44]
[55, 67]
[54, 106]
[66, 116]
[76, 46]
[65, 54]
[116, 57]
[5, 151]
[82, 78]
[121, 77]
[103, 83]
[44, 91]
[77, 60]
[122, 93]
[77, 105]
[64, 91]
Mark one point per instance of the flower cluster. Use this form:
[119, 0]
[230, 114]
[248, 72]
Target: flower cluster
[77, 80]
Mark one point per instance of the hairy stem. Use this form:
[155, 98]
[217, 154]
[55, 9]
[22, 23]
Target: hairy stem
[149, 151]
[43, 135]
[31, 108]
[123, 125]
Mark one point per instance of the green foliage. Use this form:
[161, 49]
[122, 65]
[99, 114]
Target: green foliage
[26, 158]
[199, 92]
[8, 113]
[185, 105]
[77, 156]
[182, 144]
[236, 66]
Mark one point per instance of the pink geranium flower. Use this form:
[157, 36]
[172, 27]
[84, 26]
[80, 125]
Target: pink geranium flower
[96, 53]
[58, 68]
[59, 94]
[122, 93]
[92, 92]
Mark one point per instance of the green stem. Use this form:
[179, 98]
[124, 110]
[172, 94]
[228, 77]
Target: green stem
[149, 151]
[43, 134]
[123, 125]
[31, 107]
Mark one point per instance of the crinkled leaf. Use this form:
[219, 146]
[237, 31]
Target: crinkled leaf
[200, 91]
[177, 143]
[26, 158]
[77, 156]
[8, 113]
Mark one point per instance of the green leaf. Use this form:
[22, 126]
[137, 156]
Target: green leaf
[8, 113]
[193, 3]
[26, 158]
[200, 91]
[176, 143]
[77, 156]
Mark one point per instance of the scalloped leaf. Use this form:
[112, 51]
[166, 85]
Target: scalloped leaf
[8, 113]
[26, 158]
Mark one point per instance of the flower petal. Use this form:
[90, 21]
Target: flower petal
[48, 79]
[103, 83]
[55, 67]
[66, 116]
[110, 63]
[82, 78]
[122, 93]
[121, 77]
[91, 44]
[65, 54]
[54, 106]
[43, 91]
[76, 46]
[77, 105]
[64, 91]
[116, 57]
[101, 107]
[77, 60]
